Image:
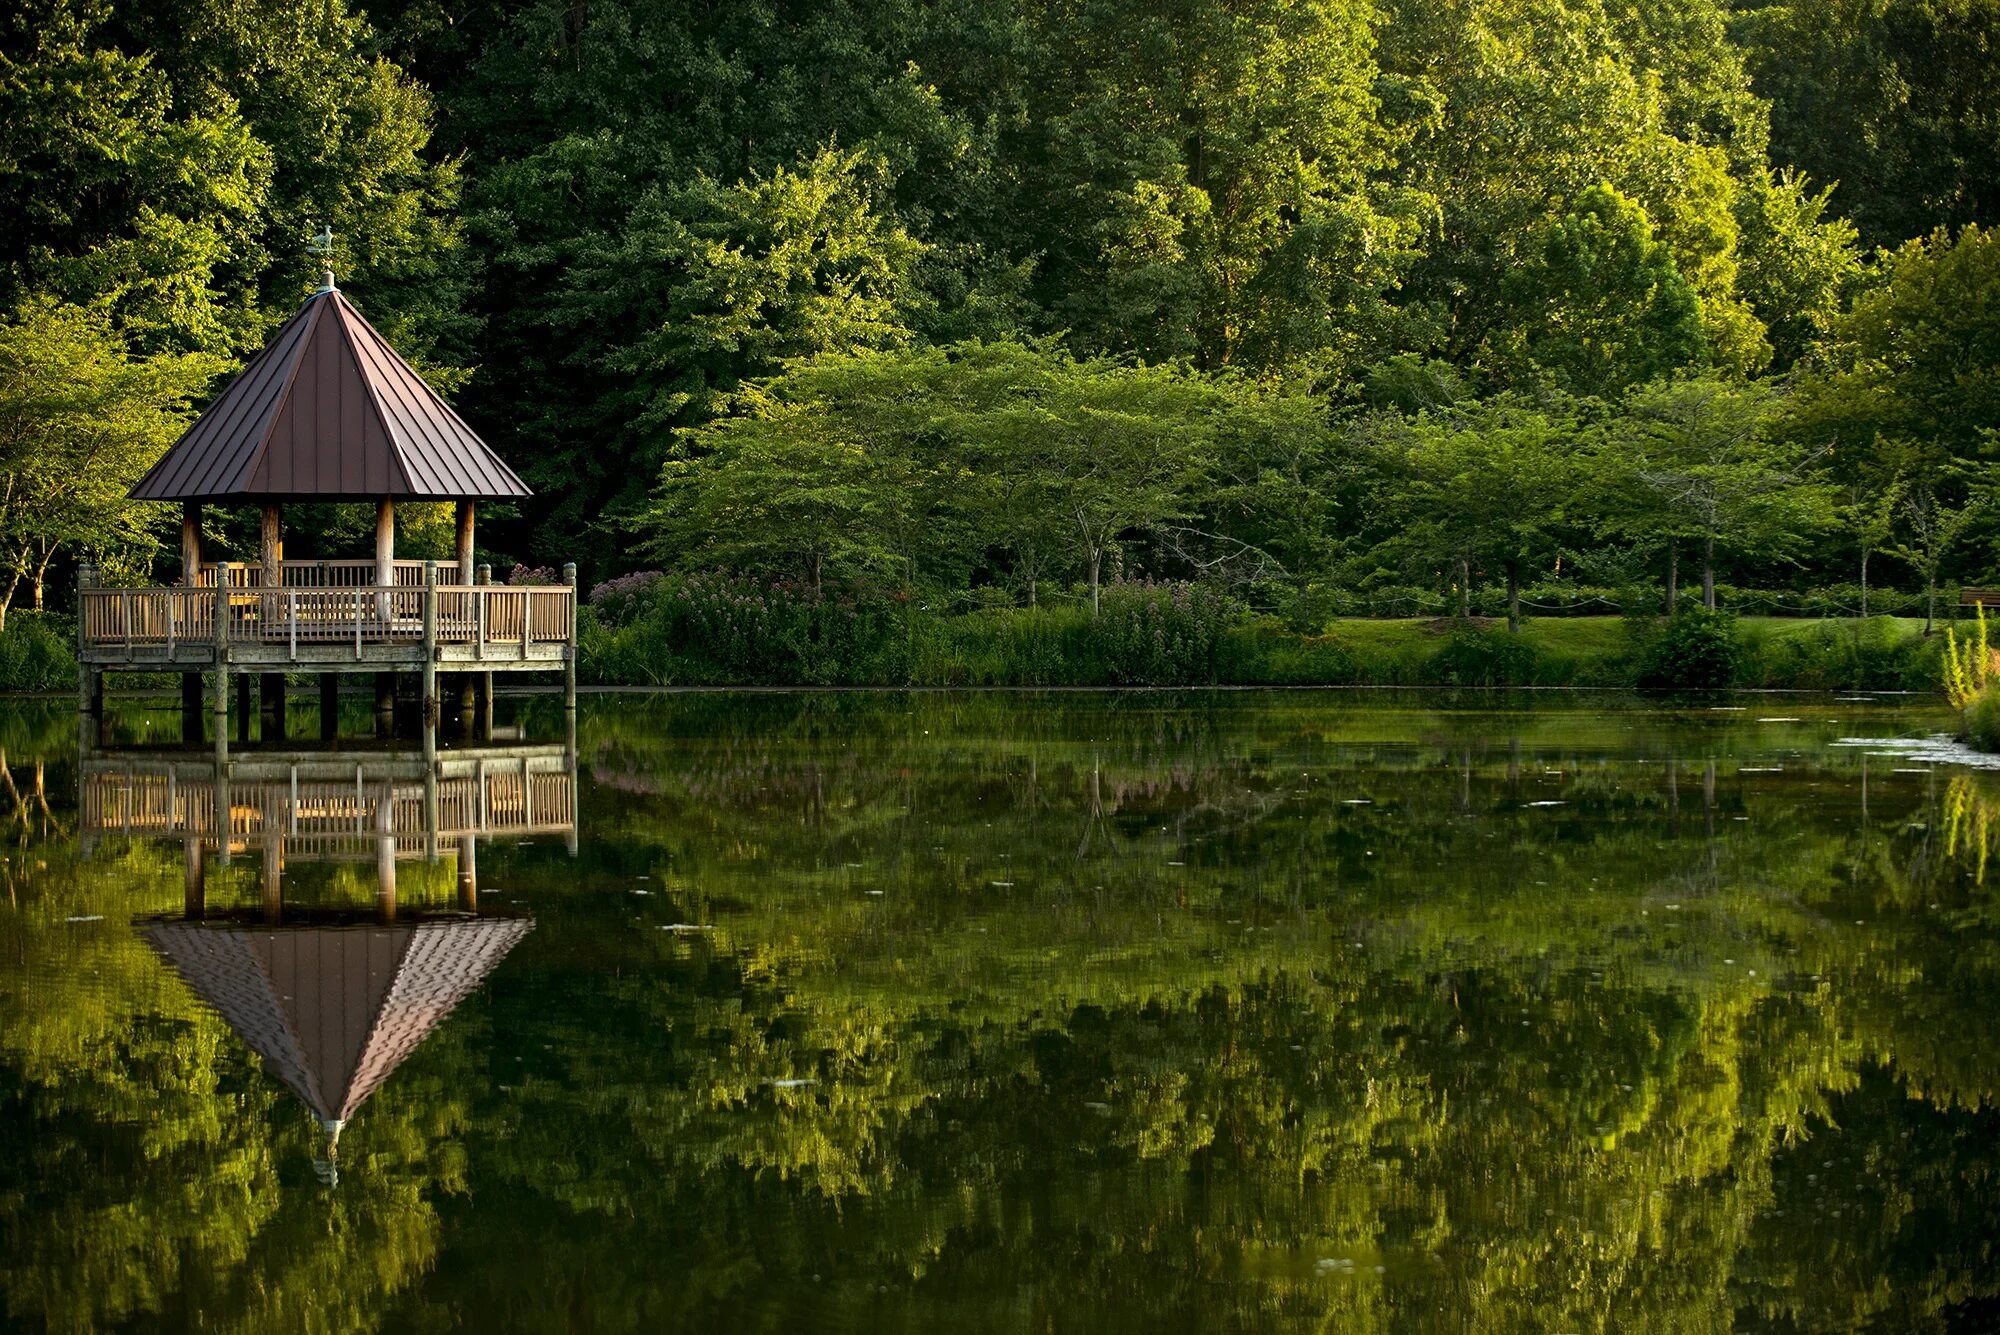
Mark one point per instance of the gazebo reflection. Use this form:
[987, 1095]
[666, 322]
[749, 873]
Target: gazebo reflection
[333, 999]
[331, 1003]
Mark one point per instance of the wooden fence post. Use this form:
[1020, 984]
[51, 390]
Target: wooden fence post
[569, 642]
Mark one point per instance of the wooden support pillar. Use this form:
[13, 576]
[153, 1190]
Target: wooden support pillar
[190, 544]
[89, 684]
[569, 648]
[329, 706]
[385, 856]
[385, 555]
[274, 870]
[194, 879]
[224, 819]
[484, 725]
[429, 696]
[464, 552]
[468, 874]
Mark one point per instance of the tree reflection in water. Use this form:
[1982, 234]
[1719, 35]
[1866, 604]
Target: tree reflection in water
[1085, 1012]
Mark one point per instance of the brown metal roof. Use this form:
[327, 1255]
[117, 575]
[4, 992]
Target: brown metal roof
[328, 411]
[334, 1010]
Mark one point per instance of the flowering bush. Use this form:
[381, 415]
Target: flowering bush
[618, 600]
[1167, 634]
[521, 574]
[714, 626]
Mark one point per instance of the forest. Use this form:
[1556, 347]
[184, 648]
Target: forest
[889, 320]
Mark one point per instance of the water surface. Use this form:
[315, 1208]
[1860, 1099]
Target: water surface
[1146, 1012]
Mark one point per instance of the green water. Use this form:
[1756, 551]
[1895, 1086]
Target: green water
[1084, 1012]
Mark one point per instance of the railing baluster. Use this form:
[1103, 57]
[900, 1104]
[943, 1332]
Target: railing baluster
[292, 619]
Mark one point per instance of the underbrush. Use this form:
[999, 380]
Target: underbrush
[38, 653]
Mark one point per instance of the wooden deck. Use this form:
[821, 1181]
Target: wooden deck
[327, 616]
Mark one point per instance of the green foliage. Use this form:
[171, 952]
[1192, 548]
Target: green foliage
[713, 627]
[81, 420]
[1161, 634]
[1473, 655]
[37, 653]
[1982, 719]
[1695, 650]
[1615, 309]
[1893, 101]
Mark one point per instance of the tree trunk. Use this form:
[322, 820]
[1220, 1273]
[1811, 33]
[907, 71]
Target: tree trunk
[1513, 598]
[1708, 573]
[1096, 565]
[1864, 583]
[1673, 577]
[42, 574]
[7, 601]
[1464, 587]
[1930, 601]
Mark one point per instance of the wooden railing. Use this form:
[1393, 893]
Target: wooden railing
[313, 575]
[155, 622]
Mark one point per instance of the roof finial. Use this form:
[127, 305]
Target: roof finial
[322, 244]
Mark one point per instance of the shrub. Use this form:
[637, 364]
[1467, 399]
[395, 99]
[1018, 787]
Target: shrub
[718, 628]
[38, 653]
[1159, 634]
[521, 574]
[1982, 720]
[1471, 656]
[1695, 651]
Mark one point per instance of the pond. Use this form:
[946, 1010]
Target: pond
[1074, 1012]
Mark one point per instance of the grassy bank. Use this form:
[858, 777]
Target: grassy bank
[1170, 635]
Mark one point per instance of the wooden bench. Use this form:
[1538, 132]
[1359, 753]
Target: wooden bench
[1979, 597]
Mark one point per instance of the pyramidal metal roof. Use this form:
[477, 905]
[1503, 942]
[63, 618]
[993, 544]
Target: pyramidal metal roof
[334, 1010]
[328, 411]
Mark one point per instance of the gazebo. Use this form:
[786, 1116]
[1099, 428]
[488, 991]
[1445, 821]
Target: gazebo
[327, 412]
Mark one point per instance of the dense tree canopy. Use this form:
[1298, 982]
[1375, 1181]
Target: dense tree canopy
[614, 230]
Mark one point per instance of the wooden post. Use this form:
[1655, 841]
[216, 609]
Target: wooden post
[222, 796]
[271, 612]
[88, 678]
[465, 521]
[484, 577]
[431, 815]
[221, 704]
[329, 706]
[274, 863]
[430, 691]
[468, 874]
[190, 544]
[385, 555]
[569, 646]
[194, 880]
[385, 855]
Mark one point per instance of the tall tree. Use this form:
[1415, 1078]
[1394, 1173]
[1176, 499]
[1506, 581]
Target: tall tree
[1701, 455]
[80, 422]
